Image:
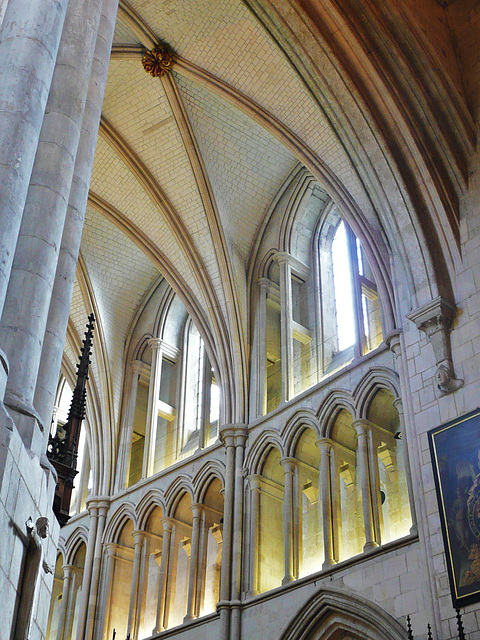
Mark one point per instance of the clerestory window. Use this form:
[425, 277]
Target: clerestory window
[314, 315]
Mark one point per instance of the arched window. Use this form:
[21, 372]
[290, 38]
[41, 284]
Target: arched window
[314, 317]
[174, 404]
[387, 441]
[349, 320]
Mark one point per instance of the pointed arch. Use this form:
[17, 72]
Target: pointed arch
[175, 492]
[118, 519]
[150, 501]
[213, 469]
[376, 378]
[336, 400]
[301, 419]
[331, 613]
[74, 542]
[261, 447]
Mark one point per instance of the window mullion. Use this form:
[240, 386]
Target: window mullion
[360, 342]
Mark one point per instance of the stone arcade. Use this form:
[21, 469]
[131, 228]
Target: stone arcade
[272, 209]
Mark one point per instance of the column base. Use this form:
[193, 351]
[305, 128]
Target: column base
[368, 546]
[252, 593]
[329, 562]
[189, 618]
[287, 579]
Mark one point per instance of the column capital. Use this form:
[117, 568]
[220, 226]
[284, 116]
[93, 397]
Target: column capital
[139, 536]
[361, 426]
[325, 445]
[289, 464]
[67, 570]
[283, 258]
[234, 434]
[101, 503]
[155, 343]
[254, 482]
[196, 509]
[264, 284]
[110, 548]
[393, 341]
[167, 523]
[136, 366]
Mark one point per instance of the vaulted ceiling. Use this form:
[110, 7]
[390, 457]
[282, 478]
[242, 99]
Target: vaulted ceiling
[186, 169]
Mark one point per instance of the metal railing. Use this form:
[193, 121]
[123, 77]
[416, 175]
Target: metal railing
[461, 631]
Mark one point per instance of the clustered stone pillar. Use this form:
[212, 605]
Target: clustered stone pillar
[234, 437]
[241, 435]
[24, 316]
[87, 573]
[98, 509]
[58, 313]
[30, 61]
[93, 603]
[109, 551]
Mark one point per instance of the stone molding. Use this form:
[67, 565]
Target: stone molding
[435, 319]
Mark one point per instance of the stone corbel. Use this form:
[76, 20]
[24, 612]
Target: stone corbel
[435, 320]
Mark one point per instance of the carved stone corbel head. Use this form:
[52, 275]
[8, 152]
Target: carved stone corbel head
[435, 320]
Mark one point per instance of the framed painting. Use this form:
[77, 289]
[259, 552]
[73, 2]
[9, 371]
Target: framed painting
[455, 450]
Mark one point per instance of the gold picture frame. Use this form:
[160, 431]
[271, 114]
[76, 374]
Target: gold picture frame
[455, 451]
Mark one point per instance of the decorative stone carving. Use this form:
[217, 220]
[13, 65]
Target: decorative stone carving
[435, 319]
[157, 61]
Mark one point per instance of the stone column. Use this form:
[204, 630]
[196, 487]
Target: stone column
[325, 482]
[58, 313]
[288, 390]
[29, 40]
[204, 409]
[139, 537]
[362, 452]
[32, 275]
[261, 350]
[164, 564]
[394, 343]
[92, 507]
[110, 549]
[152, 412]
[375, 483]
[103, 506]
[62, 614]
[289, 465]
[197, 511]
[254, 483]
[227, 435]
[126, 444]
[70, 613]
[241, 434]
